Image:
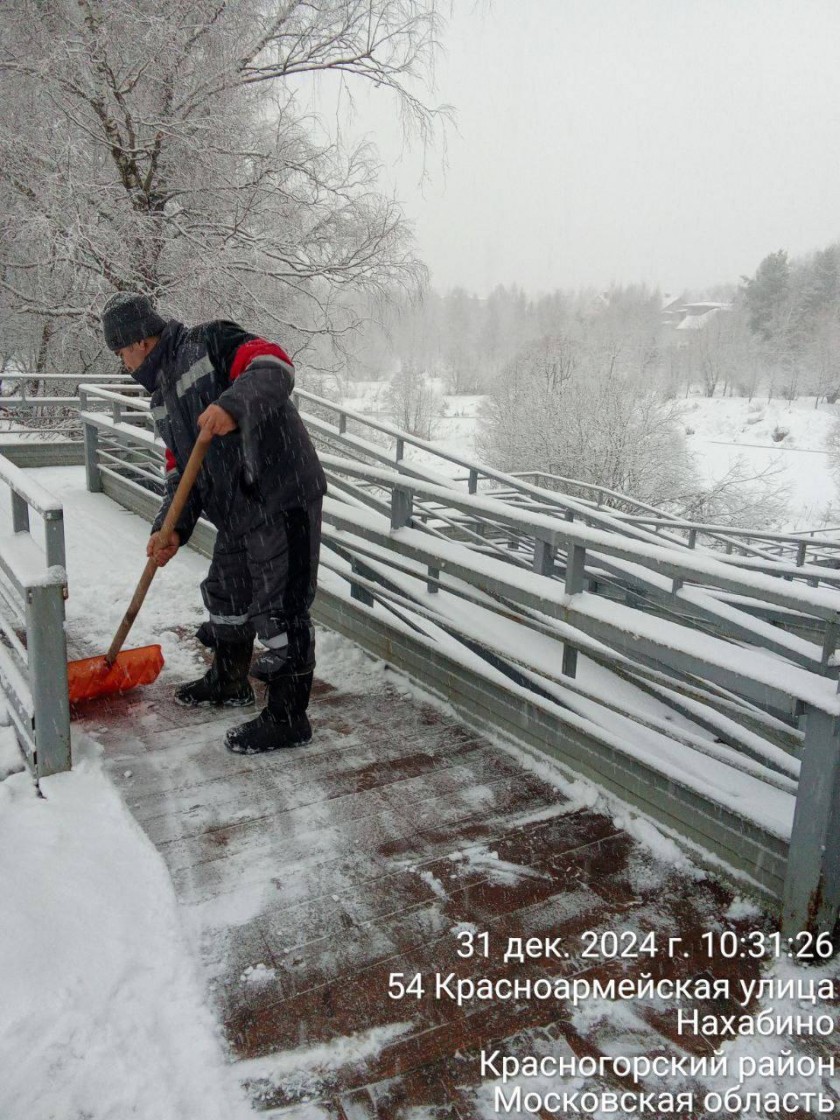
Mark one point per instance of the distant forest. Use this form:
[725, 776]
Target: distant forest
[776, 333]
[589, 385]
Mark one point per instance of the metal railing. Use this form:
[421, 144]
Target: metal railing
[513, 638]
[673, 586]
[594, 505]
[794, 547]
[29, 384]
[538, 491]
[39, 421]
[33, 652]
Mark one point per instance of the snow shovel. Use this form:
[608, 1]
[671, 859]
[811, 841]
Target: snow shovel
[93, 677]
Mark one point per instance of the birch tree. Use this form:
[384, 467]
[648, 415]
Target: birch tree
[166, 147]
[567, 407]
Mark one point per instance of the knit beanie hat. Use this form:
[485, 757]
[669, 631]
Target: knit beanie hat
[129, 317]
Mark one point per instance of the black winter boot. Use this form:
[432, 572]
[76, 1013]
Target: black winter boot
[225, 684]
[282, 722]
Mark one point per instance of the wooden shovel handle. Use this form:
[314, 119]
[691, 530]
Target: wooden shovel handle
[176, 508]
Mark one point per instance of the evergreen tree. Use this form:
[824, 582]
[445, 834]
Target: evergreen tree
[767, 293]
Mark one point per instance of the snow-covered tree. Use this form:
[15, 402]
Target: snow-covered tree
[832, 446]
[166, 147]
[413, 403]
[767, 295]
[822, 355]
[565, 407]
[741, 496]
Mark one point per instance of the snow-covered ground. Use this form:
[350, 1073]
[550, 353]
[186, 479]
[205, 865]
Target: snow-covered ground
[723, 430]
[103, 1012]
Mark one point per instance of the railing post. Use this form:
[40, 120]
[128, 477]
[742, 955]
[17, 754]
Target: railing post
[543, 556]
[92, 475]
[472, 484]
[800, 553]
[433, 580]
[829, 643]
[20, 513]
[812, 878]
[401, 507]
[575, 582]
[575, 569]
[400, 449]
[342, 423]
[54, 539]
[47, 658]
[357, 592]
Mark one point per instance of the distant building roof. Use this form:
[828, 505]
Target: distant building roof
[695, 316]
[705, 305]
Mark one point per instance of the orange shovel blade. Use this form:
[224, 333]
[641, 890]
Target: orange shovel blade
[93, 677]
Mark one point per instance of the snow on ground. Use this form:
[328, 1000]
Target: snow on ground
[11, 757]
[720, 430]
[308, 1065]
[724, 429]
[103, 1015]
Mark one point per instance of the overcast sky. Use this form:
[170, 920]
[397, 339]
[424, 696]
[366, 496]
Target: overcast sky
[671, 142]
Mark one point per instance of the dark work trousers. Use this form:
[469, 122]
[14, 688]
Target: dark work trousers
[263, 582]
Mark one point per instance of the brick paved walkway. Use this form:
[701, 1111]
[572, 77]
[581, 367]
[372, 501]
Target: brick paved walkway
[308, 877]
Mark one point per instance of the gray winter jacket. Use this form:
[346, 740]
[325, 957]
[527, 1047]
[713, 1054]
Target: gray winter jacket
[268, 464]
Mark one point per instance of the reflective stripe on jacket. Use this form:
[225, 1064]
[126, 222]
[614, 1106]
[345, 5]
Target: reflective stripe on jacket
[268, 464]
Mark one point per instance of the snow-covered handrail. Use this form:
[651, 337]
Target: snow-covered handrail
[671, 562]
[30, 395]
[476, 471]
[33, 586]
[812, 886]
[33, 494]
[73, 378]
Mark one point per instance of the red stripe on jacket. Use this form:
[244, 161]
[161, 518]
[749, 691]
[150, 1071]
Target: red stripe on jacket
[245, 354]
[256, 348]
